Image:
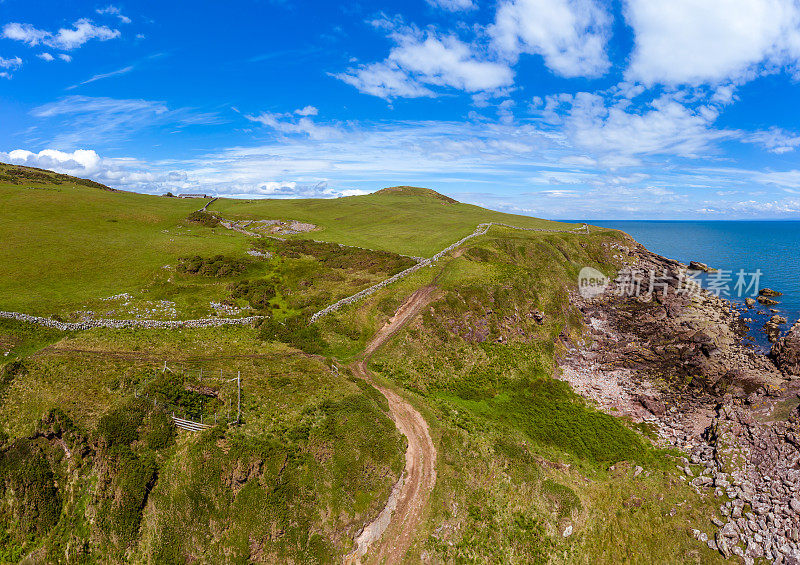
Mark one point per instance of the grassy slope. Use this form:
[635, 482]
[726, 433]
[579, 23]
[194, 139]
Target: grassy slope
[67, 245]
[314, 460]
[519, 459]
[411, 224]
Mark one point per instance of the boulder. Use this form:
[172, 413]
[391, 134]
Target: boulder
[766, 301]
[786, 352]
[656, 407]
[750, 302]
[769, 292]
[698, 266]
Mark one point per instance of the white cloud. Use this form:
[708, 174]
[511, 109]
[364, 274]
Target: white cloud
[286, 124]
[570, 35]
[81, 162]
[421, 60]
[13, 63]
[114, 11]
[611, 128]
[25, 33]
[67, 39]
[384, 80]
[690, 42]
[307, 111]
[774, 140]
[9, 64]
[46, 57]
[453, 5]
[100, 119]
[101, 76]
[64, 57]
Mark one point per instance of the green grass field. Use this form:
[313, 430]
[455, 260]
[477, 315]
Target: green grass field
[67, 245]
[91, 472]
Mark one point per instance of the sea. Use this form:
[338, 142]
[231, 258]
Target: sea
[743, 251]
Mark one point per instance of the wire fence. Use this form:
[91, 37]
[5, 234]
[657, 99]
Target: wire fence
[197, 397]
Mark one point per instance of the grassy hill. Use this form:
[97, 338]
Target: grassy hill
[67, 243]
[92, 469]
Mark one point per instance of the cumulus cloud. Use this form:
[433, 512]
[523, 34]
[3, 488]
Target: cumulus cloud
[689, 42]
[665, 126]
[419, 61]
[81, 162]
[66, 39]
[570, 35]
[307, 111]
[46, 57]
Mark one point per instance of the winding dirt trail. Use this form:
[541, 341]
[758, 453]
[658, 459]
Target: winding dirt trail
[387, 538]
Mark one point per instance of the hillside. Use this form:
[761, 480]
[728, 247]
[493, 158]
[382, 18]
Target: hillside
[458, 357]
[68, 245]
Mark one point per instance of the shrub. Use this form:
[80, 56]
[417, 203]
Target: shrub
[562, 497]
[335, 256]
[203, 218]
[295, 332]
[217, 266]
[258, 293]
[27, 473]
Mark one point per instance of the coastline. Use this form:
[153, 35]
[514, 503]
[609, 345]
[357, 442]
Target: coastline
[680, 364]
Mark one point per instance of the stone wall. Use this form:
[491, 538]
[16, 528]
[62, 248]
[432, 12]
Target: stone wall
[480, 230]
[216, 322]
[120, 324]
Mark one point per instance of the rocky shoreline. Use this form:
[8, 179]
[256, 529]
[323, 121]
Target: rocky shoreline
[679, 361]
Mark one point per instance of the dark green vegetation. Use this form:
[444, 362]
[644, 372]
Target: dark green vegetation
[204, 219]
[110, 481]
[216, 266]
[92, 470]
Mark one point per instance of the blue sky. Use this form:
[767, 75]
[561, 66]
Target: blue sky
[555, 108]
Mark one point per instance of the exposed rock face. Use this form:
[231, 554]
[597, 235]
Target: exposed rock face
[786, 352]
[698, 266]
[691, 340]
[766, 301]
[773, 328]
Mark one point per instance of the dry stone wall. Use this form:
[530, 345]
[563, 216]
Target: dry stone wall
[216, 322]
[480, 230]
[120, 324]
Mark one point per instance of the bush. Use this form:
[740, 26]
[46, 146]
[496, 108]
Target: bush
[295, 332]
[203, 218]
[335, 256]
[258, 293]
[562, 497]
[27, 473]
[217, 266]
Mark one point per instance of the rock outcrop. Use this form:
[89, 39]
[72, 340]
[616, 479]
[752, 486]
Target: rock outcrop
[786, 352]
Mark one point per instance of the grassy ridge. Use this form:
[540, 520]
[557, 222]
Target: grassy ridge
[69, 243]
[410, 223]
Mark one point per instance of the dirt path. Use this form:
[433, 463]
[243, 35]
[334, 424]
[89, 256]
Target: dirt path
[389, 536]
